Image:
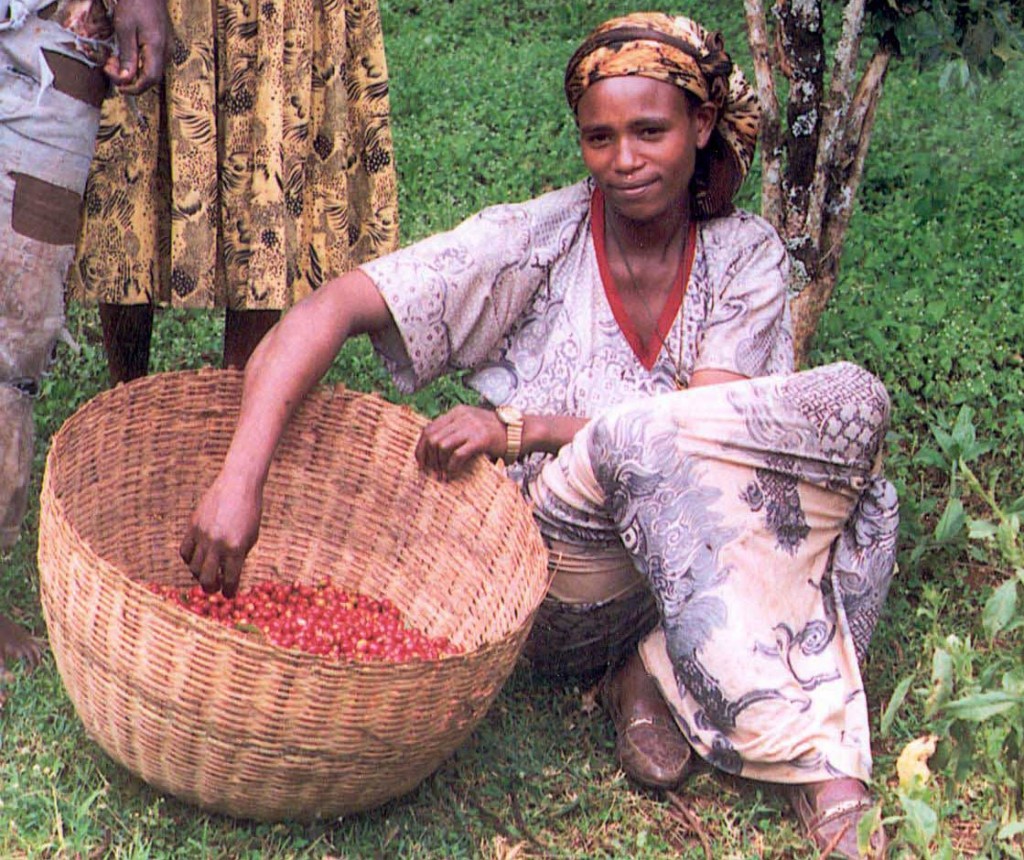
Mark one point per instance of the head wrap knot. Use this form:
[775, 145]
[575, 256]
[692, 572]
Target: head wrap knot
[681, 52]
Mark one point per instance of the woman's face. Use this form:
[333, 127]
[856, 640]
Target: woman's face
[639, 138]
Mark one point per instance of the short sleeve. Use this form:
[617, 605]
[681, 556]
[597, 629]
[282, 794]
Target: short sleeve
[454, 296]
[748, 330]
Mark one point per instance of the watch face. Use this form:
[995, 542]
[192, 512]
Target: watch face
[508, 414]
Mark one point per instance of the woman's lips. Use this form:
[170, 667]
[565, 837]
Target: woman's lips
[633, 190]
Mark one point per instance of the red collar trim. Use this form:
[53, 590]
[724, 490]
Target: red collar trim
[647, 353]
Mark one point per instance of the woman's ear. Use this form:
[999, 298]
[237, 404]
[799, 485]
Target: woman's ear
[706, 115]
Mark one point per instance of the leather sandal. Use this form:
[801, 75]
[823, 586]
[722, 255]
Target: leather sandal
[830, 812]
[650, 748]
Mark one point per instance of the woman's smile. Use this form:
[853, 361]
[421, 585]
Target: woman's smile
[632, 189]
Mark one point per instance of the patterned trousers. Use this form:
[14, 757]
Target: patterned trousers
[765, 535]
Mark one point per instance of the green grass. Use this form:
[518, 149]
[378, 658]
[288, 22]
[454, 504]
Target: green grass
[928, 300]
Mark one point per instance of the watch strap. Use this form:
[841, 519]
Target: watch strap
[512, 418]
[514, 445]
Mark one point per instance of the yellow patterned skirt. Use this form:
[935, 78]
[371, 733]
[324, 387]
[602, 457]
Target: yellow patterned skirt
[262, 167]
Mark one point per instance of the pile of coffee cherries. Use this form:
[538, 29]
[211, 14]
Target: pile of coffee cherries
[319, 619]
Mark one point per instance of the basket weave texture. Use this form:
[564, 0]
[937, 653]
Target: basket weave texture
[216, 716]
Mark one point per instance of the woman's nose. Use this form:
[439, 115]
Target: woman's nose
[627, 158]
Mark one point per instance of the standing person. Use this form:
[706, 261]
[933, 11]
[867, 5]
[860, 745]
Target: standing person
[55, 62]
[263, 164]
[721, 538]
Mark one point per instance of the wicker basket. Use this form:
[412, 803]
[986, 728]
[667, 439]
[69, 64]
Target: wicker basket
[217, 717]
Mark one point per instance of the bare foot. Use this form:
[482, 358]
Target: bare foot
[18, 644]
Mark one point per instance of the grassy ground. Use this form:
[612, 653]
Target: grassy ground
[927, 301]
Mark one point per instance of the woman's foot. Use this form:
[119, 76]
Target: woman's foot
[831, 812]
[651, 749]
[18, 644]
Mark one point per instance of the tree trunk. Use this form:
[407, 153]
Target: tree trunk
[812, 171]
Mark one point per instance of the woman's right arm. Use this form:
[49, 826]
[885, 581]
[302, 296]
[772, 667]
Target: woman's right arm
[286, 365]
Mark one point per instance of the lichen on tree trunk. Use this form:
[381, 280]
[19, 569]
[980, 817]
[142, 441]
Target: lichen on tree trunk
[812, 169]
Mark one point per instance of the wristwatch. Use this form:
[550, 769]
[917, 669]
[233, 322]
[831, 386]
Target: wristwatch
[512, 418]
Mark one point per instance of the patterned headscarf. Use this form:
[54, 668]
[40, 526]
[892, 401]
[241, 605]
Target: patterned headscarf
[680, 52]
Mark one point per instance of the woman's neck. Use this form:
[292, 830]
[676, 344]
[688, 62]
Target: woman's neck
[645, 237]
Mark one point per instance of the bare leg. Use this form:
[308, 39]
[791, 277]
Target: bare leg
[243, 330]
[18, 644]
[127, 332]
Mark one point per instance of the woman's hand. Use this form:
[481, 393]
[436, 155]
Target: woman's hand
[287, 364]
[447, 444]
[223, 529]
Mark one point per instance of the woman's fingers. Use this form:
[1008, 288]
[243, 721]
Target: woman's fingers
[215, 567]
[231, 573]
[188, 546]
[460, 458]
[448, 443]
[224, 527]
[431, 448]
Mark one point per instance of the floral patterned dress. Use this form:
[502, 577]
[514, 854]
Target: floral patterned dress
[752, 515]
[262, 167]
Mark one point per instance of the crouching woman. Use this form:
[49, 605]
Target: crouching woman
[721, 537]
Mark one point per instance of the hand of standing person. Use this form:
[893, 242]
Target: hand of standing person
[143, 29]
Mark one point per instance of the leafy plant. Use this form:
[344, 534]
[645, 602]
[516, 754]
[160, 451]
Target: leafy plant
[966, 38]
[974, 706]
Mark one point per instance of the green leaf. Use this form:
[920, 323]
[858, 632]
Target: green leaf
[981, 529]
[982, 706]
[931, 457]
[975, 450]
[935, 311]
[951, 523]
[867, 825]
[895, 700]
[942, 681]
[946, 442]
[1008, 831]
[1007, 534]
[963, 428]
[879, 340]
[999, 608]
[1013, 681]
[922, 819]
[84, 807]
